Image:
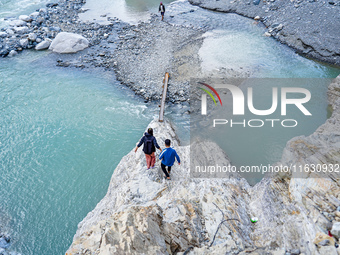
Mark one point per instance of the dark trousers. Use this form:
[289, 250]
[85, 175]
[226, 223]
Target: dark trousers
[165, 171]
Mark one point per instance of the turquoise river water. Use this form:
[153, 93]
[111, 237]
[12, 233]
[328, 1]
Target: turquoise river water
[63, 130]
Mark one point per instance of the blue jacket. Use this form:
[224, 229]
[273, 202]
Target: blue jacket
[168, 155]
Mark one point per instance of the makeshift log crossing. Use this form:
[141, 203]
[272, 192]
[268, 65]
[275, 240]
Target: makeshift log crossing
[165, 89]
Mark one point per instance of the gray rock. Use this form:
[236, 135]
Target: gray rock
[23, 43]
[45, 29]
[279, 27]
[68, 43]
[3, 34]
[336, 230]
[324, 242]
[10, 31]
[34, 15]
[329, 250]
[57, 29]
[12, 53]
[40, 20]
[32, 37]
[42, 10]
[44, 44]
[20, 30]
[17, 23]
[25, 18]
[38, 40]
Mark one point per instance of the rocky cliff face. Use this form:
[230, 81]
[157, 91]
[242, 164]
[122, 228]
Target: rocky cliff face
[144, 214]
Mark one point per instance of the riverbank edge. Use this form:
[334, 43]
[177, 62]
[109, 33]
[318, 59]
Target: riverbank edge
[290, 28]
[112, 47]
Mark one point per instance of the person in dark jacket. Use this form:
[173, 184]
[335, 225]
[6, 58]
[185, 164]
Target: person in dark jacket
[149, 143]
[168, 157]
[161, 9]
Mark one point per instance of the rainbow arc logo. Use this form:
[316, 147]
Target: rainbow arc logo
[204, 97]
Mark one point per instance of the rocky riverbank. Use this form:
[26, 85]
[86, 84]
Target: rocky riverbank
[5, 245]
[37, 30]
[311, 27]
[143, 213]
[141, 54]
[147, 51]
[138, 54]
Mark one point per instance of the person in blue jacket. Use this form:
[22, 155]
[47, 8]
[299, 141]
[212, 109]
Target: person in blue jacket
[168, 157]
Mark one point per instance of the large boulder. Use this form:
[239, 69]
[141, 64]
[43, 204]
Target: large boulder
[66, 42]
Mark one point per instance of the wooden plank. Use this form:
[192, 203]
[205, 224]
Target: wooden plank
[165, 89]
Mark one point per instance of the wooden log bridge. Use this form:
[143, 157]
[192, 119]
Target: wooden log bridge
[165, 89]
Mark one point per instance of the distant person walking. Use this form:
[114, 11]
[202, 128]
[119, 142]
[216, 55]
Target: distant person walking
[168, 157]
[149, 142]
[161, 9]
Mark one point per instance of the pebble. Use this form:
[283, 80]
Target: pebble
[34, 14]
[44, 44]
[25, 18]
[12, 53]
[24, 43]
[32, 37]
